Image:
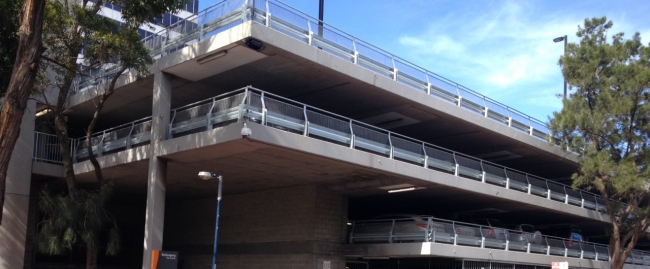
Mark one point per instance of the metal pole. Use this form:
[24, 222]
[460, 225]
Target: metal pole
[565, 42]
[216, 226]
[321, 7]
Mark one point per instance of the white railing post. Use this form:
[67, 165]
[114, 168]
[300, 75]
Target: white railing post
[310, 33]
[482, 172]
[426, 157]
[453, 226]
[306, 131]
[456, 163]
[505, 172]
[208, 117]
[128, 137]
[264, 112]
[351, 136]
[390, 144]
[268, 14]
[426, 75]
[460, 98]
[355, 53]
[394, 68]
[485, 111]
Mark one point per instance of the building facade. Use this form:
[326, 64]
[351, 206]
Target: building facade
[340, 132]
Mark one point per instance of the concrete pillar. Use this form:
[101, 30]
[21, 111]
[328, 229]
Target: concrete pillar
[155, 211]
[13, 230]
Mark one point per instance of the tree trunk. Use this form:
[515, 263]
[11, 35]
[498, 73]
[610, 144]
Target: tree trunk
[20, 86]
[91, 256]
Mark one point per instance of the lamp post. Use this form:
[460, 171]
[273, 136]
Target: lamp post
[321, 9]
[560, 39]
[207, 176]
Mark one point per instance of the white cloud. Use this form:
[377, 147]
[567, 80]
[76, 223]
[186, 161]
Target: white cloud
[505, 53]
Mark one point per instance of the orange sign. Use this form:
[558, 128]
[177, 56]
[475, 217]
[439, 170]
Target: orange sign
[154, 258]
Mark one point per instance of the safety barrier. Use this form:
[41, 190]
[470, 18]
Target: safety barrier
[429, 229]
[46, 148]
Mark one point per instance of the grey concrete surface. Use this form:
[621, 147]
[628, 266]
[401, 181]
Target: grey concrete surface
[155, 211]
[13, 230]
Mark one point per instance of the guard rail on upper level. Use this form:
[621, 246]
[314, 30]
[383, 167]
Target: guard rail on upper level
[429, 229]
[274, 111]
[46, 148]
[287, 20]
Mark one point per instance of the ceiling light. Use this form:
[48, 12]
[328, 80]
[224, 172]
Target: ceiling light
[43, 112]
[207, 175]
[212, 57]
[401, 190]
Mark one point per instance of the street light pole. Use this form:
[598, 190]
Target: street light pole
[216, 226]
[558, 39]
[321, 8]
[207, 176]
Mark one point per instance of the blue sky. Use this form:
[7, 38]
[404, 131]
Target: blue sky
[502, 49]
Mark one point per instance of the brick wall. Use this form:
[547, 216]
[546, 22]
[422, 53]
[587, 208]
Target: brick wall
[297, 227]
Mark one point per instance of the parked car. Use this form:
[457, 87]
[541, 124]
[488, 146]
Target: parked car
[527, 233]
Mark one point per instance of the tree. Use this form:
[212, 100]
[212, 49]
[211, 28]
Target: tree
[20, 86]
[80, 42]
[8, 41]
[606, 120]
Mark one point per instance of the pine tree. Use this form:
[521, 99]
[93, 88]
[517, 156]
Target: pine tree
[605, 119]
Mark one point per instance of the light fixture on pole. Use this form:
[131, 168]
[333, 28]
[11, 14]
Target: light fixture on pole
[207, 176]
[560, 39]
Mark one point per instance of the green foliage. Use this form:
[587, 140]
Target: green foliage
[605, 119]
[78, 40]
[8, 40]
[78, 222]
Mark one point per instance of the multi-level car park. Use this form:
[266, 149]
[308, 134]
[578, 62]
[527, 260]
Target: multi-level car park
[336, 124]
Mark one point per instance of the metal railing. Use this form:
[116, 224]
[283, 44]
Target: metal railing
[46, 148]
[296, 24]
[434, 230]
[115, 139]
[274, 111]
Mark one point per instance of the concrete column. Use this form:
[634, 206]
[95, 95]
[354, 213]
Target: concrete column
[155, 212]
[13, 230]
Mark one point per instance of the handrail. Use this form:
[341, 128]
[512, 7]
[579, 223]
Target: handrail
[468, 234]
[46, 148]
